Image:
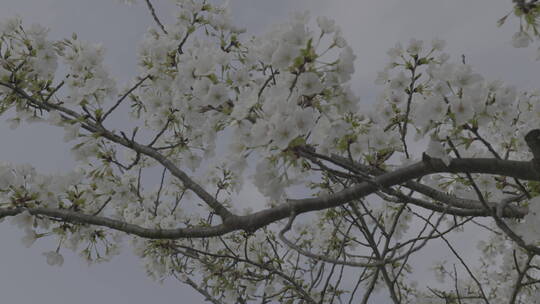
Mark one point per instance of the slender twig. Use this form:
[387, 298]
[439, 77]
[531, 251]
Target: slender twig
[156, 202]
[102, 206]
[161, 132]
[154, 15]
[408, 110]
[119, 101]
[519, 280]
[60, 85]
[199, 289]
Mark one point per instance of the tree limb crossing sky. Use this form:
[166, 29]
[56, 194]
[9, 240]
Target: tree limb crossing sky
[371, 27]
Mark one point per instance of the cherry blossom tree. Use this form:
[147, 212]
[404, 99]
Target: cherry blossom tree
[352, 191]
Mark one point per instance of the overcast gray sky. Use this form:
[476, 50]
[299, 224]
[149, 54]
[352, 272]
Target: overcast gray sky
[371, 27]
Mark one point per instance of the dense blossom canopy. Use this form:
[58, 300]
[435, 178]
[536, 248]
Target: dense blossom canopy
[353, 190]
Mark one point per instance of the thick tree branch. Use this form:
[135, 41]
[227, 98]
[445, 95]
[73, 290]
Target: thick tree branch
[131, 144]
[533, 141]
[257, 220]
[454, 205]
[460, 206]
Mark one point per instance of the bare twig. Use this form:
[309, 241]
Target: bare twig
[154, 15]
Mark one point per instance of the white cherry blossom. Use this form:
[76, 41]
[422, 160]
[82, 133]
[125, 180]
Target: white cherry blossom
[327, 26]
[309, 83]
[436, 150]
[54, 258]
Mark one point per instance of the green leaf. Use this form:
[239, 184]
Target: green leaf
[98, 113]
